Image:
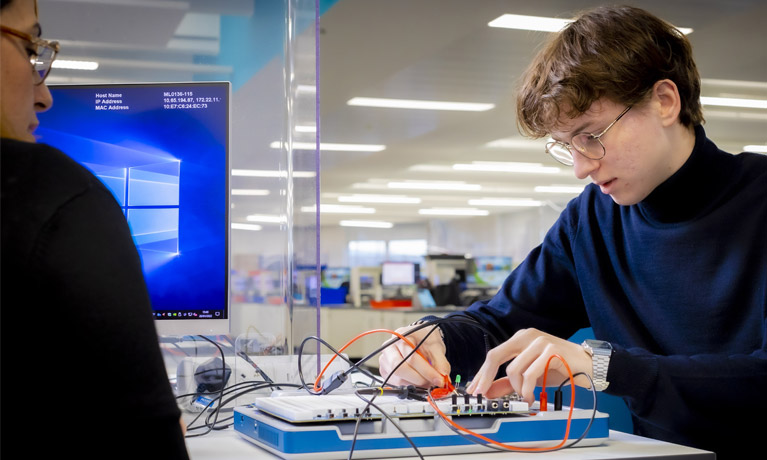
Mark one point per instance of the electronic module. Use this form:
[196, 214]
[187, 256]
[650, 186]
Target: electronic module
[372, 423]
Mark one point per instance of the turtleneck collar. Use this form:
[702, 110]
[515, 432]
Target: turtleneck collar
[694, 188]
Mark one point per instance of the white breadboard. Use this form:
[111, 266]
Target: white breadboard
[311, 408]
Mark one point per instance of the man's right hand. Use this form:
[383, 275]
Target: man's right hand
[416, 370]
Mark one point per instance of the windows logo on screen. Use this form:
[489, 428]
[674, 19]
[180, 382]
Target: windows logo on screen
[149, 196]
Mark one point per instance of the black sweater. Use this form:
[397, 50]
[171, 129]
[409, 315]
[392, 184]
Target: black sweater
[677, 283]
[82, 371]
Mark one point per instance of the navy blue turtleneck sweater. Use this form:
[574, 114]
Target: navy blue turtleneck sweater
[677, 283]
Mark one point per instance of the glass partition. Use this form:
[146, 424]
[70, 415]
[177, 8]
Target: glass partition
[267, 52]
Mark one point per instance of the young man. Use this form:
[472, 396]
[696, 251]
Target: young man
[82, 372]
[664, 255]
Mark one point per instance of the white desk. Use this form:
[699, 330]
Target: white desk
[227, 444]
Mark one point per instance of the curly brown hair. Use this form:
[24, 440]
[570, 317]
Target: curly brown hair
[617, 53]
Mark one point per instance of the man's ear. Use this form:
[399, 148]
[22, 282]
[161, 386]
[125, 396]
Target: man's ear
[666, 95]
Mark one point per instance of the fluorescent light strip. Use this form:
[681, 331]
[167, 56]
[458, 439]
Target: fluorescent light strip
[271, 173]
[493, 166]
[435, 185]
[251, 227]
[542, 24]
[453, 212]
[386, 199]
[558, 189]
[755, 148]
[516, 143]
[332, 147]
[419, 104]
[249, 192]
[339, 209]
[734, 102]
[266, 218]
[514, 202]
[521, 22]
[74, 65]
[365, 223]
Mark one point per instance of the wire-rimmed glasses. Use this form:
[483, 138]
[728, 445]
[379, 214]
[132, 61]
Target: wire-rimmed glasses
[587, 144]
[41, 57]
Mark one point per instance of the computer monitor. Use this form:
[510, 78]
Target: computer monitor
[163, 151]
[398, 273]
[334, 277]
[491, 271]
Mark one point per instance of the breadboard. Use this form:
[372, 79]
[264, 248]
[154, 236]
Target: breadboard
[303, 408]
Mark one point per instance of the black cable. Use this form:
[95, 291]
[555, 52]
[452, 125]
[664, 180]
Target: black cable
[593, 411]
[386, 380]
[356, 366]
[389, 418]
[455, 319]
[353, 365]
[250, 386]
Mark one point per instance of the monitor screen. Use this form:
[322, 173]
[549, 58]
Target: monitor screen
[491, 271]
[398, 273]
[334, 277]
[163, 151]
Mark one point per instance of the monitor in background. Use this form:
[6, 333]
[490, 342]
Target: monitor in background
[334, 277]
[163, 151]
[399, 273]
[491, 271]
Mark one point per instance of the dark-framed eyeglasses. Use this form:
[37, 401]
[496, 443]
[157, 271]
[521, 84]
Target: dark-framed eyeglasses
[587, 144]
[41, 56]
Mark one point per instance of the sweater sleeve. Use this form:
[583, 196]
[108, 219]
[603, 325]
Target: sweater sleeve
[542, 293]
[85, 257]
[703, 391]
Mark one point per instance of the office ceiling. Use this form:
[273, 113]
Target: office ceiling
[416, 49]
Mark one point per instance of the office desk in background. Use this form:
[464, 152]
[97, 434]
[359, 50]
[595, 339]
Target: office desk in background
[227, 444]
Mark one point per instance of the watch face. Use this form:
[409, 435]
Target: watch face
[599, 344]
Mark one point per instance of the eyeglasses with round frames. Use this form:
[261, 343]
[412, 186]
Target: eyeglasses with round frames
[41, 57]
[587, 144]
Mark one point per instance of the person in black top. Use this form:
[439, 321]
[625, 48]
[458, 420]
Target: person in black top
[82, 370]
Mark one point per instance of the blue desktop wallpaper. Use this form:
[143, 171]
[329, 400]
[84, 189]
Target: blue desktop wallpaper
[162, 149]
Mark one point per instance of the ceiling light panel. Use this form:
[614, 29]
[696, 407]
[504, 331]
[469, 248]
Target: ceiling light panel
[271, 173]
[384, 199]
[336, 147]
[241, 226]
[541, 23]
[419, 104]
[365, 224]
[558, 188]
[434, 185]
[339, 209]
[453, 212]
[734, 102]
[506, 202]
[499, 166]
[249, 192]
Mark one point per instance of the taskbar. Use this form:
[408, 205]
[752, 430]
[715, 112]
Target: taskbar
[189, 314]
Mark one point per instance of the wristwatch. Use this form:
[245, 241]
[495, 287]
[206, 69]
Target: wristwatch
[600, 352]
